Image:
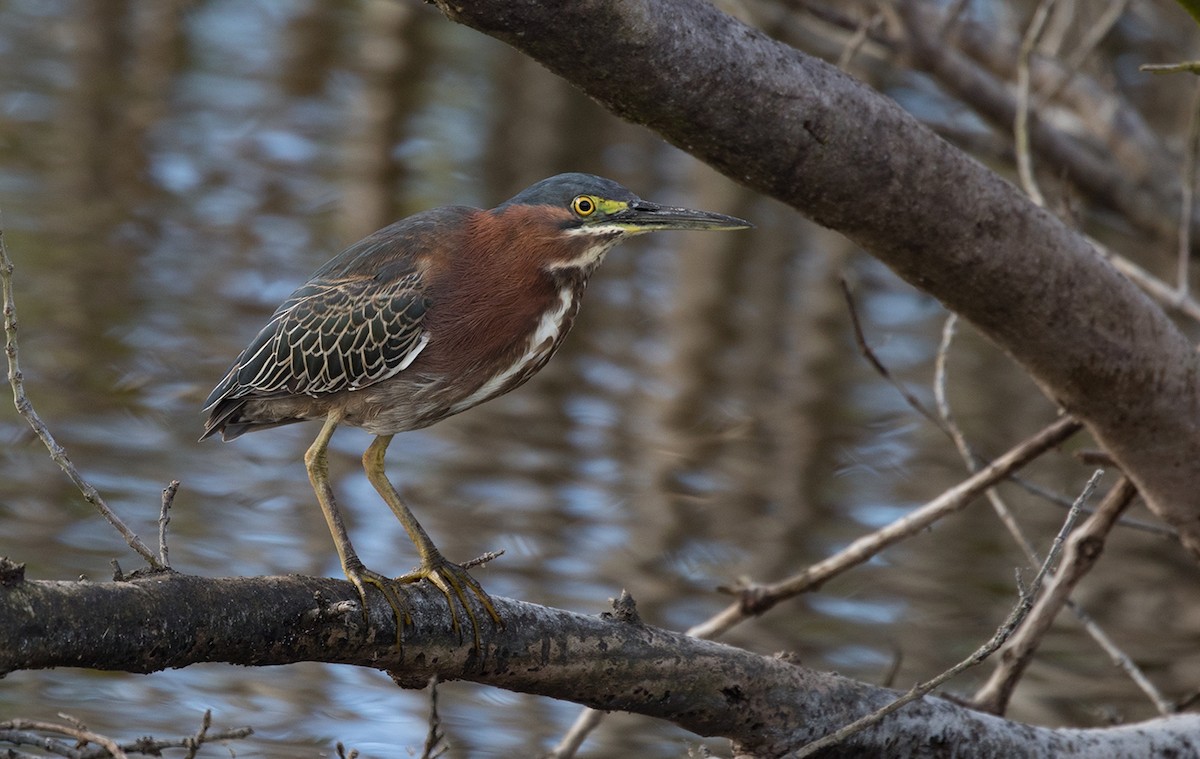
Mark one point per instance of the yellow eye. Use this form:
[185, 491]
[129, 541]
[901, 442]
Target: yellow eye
[584, 205]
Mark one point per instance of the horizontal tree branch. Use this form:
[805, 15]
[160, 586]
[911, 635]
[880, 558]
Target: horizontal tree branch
[767, 705]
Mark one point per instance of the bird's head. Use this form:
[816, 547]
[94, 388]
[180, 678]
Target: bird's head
[586, 215]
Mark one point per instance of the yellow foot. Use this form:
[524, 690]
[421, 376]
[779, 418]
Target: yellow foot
[455, 583]
[361, 577]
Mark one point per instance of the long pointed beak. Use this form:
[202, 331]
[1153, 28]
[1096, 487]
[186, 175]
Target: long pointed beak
[644, 216]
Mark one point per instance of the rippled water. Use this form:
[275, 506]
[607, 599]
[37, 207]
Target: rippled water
[169, 171]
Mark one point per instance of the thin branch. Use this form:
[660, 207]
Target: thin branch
[1005, 631]
[26, 410]
[991, 102]
[965, 451]
[587, 721]
[1102, 639]
[1083, 549]
[880, 367]
[72, 731]
[1189, 67]
[1095, 35]
[1187, 191]
[757, 599]
[1160, 291]
[1021, 122]
[974, 460]
[164, 518]
[856, 40]
[1122, 660]
[21, 732]
[435, 744]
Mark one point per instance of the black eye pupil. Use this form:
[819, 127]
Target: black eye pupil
[584, 205]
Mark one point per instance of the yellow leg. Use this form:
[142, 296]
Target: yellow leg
[317, 463]
[451, 579]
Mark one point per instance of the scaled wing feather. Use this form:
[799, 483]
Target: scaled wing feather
[330, 336]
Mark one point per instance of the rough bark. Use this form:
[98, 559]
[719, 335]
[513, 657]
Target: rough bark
[804, 132]
[766, 705]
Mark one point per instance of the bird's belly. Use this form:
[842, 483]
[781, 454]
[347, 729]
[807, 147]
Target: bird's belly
[401, 404]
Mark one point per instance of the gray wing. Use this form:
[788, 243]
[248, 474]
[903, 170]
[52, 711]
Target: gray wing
[329, 336]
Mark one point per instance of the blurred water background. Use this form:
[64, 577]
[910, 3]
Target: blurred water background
[170, 170]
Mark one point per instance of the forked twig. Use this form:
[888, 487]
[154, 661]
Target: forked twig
[40, 734]
[1003, 633]
[756, 600]
[965, 450]
[25, 729]
[1097, 633]
[1083, 549]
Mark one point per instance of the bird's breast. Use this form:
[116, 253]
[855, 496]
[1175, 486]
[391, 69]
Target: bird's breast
[527, 355]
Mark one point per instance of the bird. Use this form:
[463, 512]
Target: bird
[423, 319]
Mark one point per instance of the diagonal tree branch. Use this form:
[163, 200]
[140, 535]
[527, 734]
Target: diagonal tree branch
[804, 132]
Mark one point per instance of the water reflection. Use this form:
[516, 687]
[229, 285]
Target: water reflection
[171, 170]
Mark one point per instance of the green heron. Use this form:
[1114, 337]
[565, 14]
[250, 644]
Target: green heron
[423, 319]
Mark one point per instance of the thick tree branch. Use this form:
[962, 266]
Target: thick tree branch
[767, 705]
[804, 132]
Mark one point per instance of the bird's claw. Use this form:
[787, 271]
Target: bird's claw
[455, 582]
[361, 577]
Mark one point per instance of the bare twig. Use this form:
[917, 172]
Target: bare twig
[856, 40]
[1119, 657]
[80, 734]
[196, 741]
[1083, 549]
[1142, 525]
[26, 410]
[1187, 191]
[21, 732]
[164, 518]
[1163, 293]
[1122, 660]
[861, 339]
[480, 561]
[1094, 36]
[965, 451]
[1021, 122]
[1005, 631]
[587, 721]
[1190, 67]
[974, 460]
[435, 744]
[758, 599]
